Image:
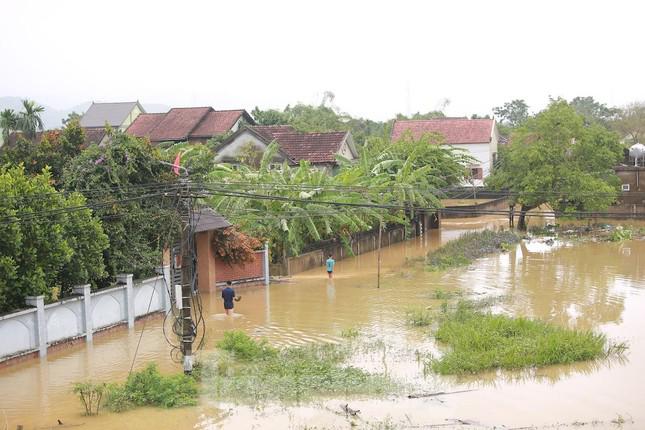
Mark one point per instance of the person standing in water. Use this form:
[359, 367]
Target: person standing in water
[228, 294]
[330, 266]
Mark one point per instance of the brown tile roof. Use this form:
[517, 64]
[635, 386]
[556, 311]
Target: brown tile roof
[454, 130]
[178, 123]
[144, 123]
[216, 123]
[268, 132]
[185, 123]
[93, 135]
[313, 147]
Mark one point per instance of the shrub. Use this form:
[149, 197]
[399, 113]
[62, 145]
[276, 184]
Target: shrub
[418, 317]
[244, 348]
[91, 395]
[148, 387]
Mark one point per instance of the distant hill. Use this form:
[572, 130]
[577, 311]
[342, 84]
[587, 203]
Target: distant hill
[53, 118]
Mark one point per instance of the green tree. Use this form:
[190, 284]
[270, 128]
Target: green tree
[268, 117]
[555, 159]
[513, 113]
[593, 111]
[197, 158]
[630, 122]
[8, 123]
[136, 197]
[55, 150]
[29, 120]
[48, 241]
[72, 116]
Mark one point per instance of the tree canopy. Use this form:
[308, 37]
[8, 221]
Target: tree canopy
[512, 113]
[48, 241]
[555, 159]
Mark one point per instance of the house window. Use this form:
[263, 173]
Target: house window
[477, 173]
[625, 187]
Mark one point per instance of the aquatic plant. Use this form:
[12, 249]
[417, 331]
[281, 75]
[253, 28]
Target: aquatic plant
[91, 395]
[349, 333]
[148, 387]
[418, 317]
[292, 373]
[619, 234]
[468, 247]
[481, 341]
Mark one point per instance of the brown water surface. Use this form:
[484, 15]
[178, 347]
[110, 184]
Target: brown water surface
[599, 286]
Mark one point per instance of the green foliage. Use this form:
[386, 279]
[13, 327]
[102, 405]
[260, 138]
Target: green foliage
[418, 317]
[482, 341]
[630, 122]
[404, 174]
[29, 121]
[197, 158]
[620, 234]
[242, 347]
[91, 395]
[512, 113]
[469, 247]
[349, 333]
[555, 159]
[55, 150]
[115, 175]
[148, 387]
[46, 242]
[593, 111]
[8, 123]
[289, 374]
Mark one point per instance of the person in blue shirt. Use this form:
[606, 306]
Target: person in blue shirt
[330, 266]
[228, 294]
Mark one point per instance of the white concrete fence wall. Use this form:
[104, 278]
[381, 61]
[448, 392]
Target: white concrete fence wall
[37, 328]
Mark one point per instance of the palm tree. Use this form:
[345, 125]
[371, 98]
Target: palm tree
[29, 120]
[8, 123]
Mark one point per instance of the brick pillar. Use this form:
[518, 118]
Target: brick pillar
[85, 291]
[126, 279]
[205, 261]
[41, 322]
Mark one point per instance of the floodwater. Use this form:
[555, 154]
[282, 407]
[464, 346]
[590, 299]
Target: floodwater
[600, 286]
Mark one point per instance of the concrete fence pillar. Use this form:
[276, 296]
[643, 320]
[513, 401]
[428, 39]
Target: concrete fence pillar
[41, 322]
[126, 279]
[165, 287]
[266, 264]
[85, 291]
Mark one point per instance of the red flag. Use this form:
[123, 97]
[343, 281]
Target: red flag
[175, 165]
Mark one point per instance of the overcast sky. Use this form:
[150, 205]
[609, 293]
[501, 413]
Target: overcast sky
[378, 58]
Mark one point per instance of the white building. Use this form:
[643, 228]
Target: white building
[479, 137]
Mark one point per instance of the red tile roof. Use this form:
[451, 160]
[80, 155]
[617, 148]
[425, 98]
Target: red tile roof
[268, 132]
[185, 123]
[216, 123]
[454, 130]
[93, 135]
[313, 147]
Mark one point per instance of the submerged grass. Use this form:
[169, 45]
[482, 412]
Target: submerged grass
[418, 317]
[263, 373]
[470, 246]
[481, 341]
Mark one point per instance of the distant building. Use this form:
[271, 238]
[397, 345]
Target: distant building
[118, 115]
[479, 137]
[319, 149]
[192, 124]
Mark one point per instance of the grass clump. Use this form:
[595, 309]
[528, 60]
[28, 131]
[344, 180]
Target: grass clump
[349, 333]
[148, 387]
[293, 373]
[470, 246]
[481, 341]
[242, 347]
[418, 317]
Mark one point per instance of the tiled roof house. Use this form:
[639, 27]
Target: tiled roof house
[319, 149]
[192, 124]
[479, 137]
[117, 115]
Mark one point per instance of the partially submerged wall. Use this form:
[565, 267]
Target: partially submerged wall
[44, 325]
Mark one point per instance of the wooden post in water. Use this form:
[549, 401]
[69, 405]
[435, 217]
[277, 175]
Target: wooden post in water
[378, 269]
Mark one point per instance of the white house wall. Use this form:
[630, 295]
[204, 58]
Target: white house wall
[232, 150]
[344, 151]
[134, 113]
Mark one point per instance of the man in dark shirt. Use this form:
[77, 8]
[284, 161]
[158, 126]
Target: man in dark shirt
[228, 294]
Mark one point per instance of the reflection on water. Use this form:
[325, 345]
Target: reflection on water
[591, 285]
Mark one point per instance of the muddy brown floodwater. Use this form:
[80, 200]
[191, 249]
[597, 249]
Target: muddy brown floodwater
[586, 285]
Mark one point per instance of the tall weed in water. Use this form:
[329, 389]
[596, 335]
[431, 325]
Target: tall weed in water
[418, 317]
[148, 387]
[288, 374]
[470, 246]
[480, 341]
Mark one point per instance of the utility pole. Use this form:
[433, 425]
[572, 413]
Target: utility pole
[187, 267]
